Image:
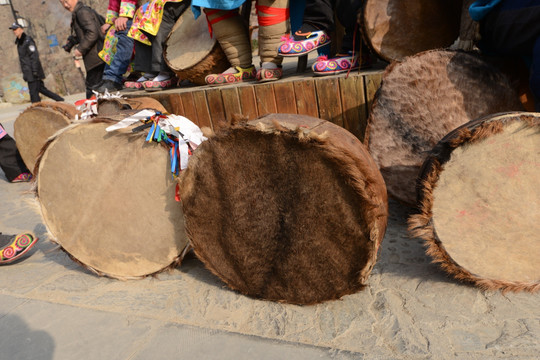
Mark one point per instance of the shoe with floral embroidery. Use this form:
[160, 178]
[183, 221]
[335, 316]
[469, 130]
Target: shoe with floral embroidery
[229, 77]
[14, 247]
[264, 75]
[312, 41]
[24, 177]
[341, 63]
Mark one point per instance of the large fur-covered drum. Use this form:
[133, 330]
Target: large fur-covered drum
[109, 200]
[36, 124]
[286, 207]
[479, 199]
[394, 29]
[422, 99]
[190, 51]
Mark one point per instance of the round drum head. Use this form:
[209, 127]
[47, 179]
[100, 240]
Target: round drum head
[421, 100]
[190, 51]
[36, 124]
[108, 200]
[395, 29]
[286, 208]
[480, 199]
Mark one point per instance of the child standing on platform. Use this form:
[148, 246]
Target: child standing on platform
[232, 34]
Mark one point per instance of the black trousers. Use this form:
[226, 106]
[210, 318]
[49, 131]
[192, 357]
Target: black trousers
[10, 160]
[93, 79]
[320, 13]
[36, 87]
[150, 59]
[513, 29]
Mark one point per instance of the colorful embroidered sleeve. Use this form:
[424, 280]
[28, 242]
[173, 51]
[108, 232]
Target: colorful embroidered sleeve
[111, 16]
[127, 8]
[112, 11]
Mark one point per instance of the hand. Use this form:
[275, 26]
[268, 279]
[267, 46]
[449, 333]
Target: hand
[104, 28]
[120, 23]
[77, 53]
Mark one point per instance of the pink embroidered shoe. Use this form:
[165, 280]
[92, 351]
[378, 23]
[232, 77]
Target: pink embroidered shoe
[341, 63]
[17, 247]
[152, 85]
[241, 75]
[313, 40]
[24, 177]
[136, 85]
[264, 75]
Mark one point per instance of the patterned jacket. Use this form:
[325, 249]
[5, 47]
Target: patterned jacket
[123, 8]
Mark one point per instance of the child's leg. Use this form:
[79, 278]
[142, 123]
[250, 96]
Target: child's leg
[232, 34]
[122, 57]
[171, 13]
[273, 16]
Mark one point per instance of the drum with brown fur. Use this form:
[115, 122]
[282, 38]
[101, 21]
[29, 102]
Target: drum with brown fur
[190, 51]
[36, 124]
[479, 199]
[422, 99]
[286, 208]
[394, 29]
[109, 200]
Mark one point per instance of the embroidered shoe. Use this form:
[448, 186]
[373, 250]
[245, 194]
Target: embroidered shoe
[341, 63]
[312, 40]
[154, 85]
[264, 75]
[241, 74]
[24, 177]
[19, 246]
[136, 85]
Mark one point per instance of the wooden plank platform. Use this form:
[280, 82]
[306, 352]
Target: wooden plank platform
[341, 99]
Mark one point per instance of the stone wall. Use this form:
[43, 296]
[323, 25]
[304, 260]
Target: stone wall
[48, 19]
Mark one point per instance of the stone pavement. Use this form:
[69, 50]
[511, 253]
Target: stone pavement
[52, 308]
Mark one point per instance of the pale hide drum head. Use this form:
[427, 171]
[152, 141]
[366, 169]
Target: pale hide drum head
[36, 124]
[423, 98]
[479, 202]
[286, 208]
[190, 51]
[109, 200]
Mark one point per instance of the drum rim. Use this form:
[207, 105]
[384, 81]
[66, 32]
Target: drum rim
[421, 224]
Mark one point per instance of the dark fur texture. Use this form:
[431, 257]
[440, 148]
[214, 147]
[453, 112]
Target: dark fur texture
[283, 212]
[421, 225]
[421, 100]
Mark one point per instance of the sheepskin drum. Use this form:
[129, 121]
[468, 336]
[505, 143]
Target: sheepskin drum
[422, 99]
[286, 208]
[394, 29]
[190, 51]
[109, 200]
[479, 199]
[36, 124]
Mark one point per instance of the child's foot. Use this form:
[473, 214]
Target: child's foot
[24, 177]
[304, 41]
[16, 247]
[161, 82]
[138, 84]
[269, 72]
[232, 75]
[341, 63]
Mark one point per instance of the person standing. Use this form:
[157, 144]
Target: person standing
[31, 66]
[86, 29]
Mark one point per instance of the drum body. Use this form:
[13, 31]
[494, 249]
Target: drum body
[190, 51]
[394, 29]
[36, 124]
[286, 208]
[479, 199]
[108, 200]
[422, 99]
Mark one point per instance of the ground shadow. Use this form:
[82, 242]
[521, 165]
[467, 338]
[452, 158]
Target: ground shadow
[19, 342]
